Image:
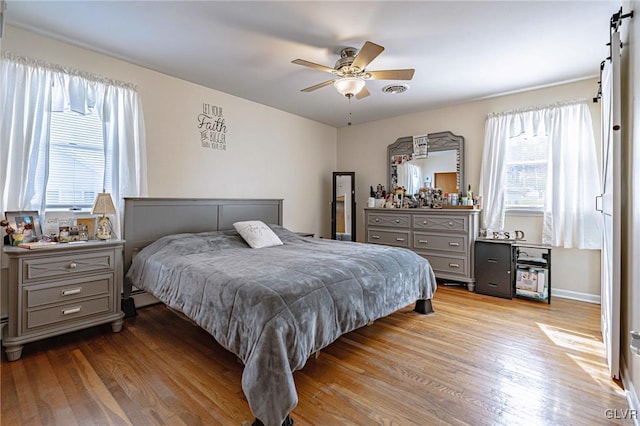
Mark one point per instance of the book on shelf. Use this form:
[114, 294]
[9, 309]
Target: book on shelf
[37, 245]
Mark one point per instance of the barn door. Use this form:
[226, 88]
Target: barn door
[611, 187]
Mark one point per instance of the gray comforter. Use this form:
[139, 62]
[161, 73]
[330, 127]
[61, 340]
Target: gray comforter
[273, 307]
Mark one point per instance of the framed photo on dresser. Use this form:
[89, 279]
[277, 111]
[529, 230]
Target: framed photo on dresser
[26, 226]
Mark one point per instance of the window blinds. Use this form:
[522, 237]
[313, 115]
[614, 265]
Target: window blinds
[76, 160]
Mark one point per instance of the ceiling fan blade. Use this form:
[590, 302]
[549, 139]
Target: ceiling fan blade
[312, 65]
[362, 93]
[392, 74]
[368, 53]
[318, 86]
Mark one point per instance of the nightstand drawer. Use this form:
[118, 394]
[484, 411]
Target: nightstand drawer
[444, 223]
[66, 312]
[389, 220]
[391, 238]
[44, 294]
[433, 241]
[66, 265]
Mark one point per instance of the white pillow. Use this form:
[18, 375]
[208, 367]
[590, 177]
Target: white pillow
[257, 234]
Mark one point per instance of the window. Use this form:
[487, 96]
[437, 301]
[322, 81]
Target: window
[76, 160]
[526, 173]
[56, 159]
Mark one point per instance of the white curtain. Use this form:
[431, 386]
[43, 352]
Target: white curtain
[124, 144]
[492, 172]
[570, 218]
[31, 90]
[573, 181]
[24, 128]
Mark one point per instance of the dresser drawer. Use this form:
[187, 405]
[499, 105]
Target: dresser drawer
[66, 265]
[68, 312]
[441, 223]
[44, 294]
[454, 265]
[389, 220]
[391, 238]
[432, 241]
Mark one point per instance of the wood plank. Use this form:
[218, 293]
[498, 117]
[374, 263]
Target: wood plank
[477, 360]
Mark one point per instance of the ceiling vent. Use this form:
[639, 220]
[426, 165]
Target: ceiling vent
[395, 88]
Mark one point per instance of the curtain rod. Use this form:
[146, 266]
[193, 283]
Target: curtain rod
[8, 56]
[539, 107]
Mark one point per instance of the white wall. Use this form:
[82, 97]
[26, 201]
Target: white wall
[363, 149]
[270, 154]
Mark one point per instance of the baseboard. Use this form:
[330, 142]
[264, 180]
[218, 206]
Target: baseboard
[630, 392]
[574, 295]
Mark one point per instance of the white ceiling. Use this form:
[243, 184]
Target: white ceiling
[461, 50]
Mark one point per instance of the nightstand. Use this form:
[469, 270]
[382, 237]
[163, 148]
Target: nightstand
[62, 288]
[495, 266]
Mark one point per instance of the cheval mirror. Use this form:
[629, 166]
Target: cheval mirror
[343, 206]
[442, 168]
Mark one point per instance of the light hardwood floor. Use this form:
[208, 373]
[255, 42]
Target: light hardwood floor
[478, 360]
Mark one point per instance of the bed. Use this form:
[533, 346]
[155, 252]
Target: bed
[272, 307]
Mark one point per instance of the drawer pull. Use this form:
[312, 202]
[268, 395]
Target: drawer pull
[377, 220]
[450, 223]
[492, 285]
[73, 265]
[424, 222]
[397, 220]
[423, 241]
[399, 239]
[454, 244]
[72, 291]
[375, 237]
[492, 260]
[454, 265]
[71, 311]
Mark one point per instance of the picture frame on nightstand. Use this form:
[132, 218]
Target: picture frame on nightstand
[18, 219]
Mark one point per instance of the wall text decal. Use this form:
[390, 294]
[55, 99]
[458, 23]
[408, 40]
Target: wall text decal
[212, 127]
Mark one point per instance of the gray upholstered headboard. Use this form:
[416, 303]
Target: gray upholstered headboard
[147, 219]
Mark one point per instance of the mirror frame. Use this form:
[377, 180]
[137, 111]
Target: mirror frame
[440, 141]
[353, 204]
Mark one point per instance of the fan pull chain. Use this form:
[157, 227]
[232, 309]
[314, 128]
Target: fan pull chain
[349, 121]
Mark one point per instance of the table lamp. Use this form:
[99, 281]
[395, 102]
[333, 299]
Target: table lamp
[104, 206]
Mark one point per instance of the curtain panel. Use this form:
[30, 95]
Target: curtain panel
[31, 91]
[569, 218]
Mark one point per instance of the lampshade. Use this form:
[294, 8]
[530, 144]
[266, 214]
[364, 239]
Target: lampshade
[103, 204]
[349, 86]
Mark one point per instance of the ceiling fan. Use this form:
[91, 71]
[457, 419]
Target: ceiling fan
[350, 71]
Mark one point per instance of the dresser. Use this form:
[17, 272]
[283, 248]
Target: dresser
[445, 237]
[62, 288]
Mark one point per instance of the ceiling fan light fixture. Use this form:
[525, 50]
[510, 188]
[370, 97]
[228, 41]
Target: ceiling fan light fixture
[349, 86]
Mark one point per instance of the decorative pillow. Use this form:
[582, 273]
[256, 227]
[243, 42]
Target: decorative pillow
[257, 234]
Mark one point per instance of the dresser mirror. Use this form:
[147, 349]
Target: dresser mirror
[343, 206]
[442, 168]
